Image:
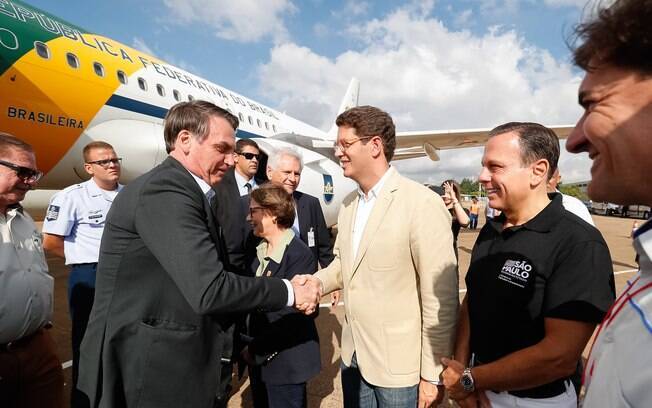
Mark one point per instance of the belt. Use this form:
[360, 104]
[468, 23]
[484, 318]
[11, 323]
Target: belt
[16, 344]
[84, 264]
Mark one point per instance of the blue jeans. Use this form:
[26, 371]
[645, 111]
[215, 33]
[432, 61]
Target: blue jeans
[358, 393]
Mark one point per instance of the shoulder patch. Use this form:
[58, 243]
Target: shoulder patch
[52, 213]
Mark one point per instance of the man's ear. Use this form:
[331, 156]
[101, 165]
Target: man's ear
[539, 173]
[378, 147]
[89, 169]
[269, 173]
[184, 139]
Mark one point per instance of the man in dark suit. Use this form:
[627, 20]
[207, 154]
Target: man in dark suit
[284, 167]
[155, 336]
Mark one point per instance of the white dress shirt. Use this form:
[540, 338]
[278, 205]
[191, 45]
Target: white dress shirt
[242, 183]
[365, 206]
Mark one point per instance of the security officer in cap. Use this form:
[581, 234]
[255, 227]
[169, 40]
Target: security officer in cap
[73, 228]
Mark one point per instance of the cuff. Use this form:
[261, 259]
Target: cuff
[290, 293]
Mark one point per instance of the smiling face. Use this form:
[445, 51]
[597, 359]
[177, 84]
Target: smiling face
[614, 130]
[262, 222]
[12, 187]
[506, 179]
[211, 157]
[354, 154]
[287, 173]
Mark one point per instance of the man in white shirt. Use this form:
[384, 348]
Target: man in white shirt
[395, 262]
[616, 94]
[246, 159]
[30, 371]
[72, 230]
[570, 203]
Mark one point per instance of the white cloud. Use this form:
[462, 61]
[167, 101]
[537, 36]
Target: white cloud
[567, 3]
[242, 20]
[430, 77]
[463, 18]
[140, 44]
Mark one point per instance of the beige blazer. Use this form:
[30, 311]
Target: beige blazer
[401, 291]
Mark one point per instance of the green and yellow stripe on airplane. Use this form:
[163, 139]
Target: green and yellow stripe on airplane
[45, 101]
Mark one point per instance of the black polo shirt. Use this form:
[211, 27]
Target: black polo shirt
[556, 265]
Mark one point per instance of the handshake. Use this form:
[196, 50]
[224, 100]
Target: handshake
[308, 290]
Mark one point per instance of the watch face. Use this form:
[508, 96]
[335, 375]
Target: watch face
[466, 381]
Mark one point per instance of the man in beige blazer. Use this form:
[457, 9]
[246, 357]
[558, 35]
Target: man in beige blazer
[394, 261]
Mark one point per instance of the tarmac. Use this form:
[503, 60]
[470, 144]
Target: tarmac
[325, 389]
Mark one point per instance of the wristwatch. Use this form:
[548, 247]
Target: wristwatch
[466, 380]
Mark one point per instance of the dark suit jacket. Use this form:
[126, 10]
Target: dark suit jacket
[312, 217]
[155, 334]
[285, 342]
[231, 209]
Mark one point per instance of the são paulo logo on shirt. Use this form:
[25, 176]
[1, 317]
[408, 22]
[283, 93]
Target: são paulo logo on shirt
[516, 272]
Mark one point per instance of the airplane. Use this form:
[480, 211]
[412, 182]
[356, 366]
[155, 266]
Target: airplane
[62, 87]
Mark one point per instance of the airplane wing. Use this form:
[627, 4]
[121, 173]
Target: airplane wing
[428, 143]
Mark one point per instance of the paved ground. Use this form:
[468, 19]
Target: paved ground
[325, 390]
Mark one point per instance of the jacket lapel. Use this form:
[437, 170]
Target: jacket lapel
[383, 201]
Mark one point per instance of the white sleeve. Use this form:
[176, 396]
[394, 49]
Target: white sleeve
[60, 215]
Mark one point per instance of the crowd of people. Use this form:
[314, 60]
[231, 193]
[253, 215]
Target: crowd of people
[208, 260]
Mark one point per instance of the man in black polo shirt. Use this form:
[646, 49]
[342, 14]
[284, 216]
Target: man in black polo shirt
[540, 280]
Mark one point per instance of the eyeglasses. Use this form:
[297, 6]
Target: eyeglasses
[107, 162]
[250, 156]
[343, 146]
[26, 174]
[252, 210]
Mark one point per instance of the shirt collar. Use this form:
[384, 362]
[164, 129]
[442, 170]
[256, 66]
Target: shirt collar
[544, 221]
[239, 178]
[277, 255]
[375, 190]
[95, 190]
[204, 186]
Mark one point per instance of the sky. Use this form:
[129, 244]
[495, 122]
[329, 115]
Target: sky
[432, 64]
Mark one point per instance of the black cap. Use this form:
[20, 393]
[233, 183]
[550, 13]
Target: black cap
[437, 189]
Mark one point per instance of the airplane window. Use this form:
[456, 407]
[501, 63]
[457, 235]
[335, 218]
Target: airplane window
[99, 69]
[177, 95]
[72, 59]
[122, 77]
[160, 89]
[251, 121]
[191, 98]
[266, 125]
[142, 84]
[259, 124]
[241, 116]
[42, 49]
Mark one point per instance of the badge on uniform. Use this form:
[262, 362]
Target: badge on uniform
[311, 238]
[269, 273]
[52, 213]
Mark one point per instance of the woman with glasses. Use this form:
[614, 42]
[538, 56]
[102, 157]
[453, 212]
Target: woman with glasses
[283, 353]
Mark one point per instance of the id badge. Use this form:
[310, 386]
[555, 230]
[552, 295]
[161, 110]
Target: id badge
[311, 238]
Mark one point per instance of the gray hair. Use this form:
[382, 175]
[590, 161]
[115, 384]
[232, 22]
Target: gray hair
[277, 154]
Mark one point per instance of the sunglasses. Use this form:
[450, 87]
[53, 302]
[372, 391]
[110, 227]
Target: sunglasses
[250, 156]
[24, 173]
[106, 163]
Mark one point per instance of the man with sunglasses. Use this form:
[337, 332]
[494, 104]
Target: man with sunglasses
[30, 371]
[246, 159]
[72, 230]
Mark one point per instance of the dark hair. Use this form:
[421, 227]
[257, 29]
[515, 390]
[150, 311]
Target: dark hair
[370, 121]
[619, 35]
[193, 116]
[277, 201]
[536, 142]
[9, 142]
[241, 143]
[95, 145]
[456, 187]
